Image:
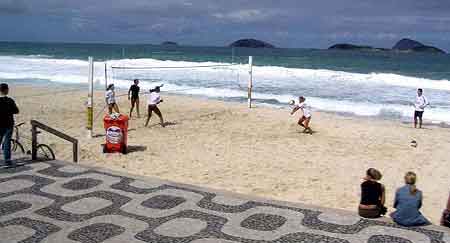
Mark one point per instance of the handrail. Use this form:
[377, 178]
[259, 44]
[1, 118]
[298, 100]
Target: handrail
[35, 124]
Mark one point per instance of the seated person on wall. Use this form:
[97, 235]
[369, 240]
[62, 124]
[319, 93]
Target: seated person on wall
[372, 195]
[408, 201]
[445, 220]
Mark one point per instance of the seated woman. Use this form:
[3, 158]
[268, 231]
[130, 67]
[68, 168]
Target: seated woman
[408, 200]
[372, 195]
[445, 220]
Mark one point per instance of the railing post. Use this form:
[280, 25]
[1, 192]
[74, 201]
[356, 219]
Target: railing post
[33, 142]
[75, 152]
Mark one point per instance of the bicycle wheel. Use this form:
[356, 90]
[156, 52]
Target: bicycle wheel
[17, 146]
[44, 152]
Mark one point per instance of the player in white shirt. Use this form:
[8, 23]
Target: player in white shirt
[306, 116]
[154, 98]
[110, 98]
[419, 107]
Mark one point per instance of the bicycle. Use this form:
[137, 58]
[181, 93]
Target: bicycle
[43, 151]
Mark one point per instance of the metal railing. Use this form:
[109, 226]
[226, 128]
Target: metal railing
[35, 125]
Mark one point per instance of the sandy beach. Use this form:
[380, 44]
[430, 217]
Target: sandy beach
[261, 151]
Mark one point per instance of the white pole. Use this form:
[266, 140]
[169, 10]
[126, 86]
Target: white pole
[106, 77]
[90, 103]
[250, 81]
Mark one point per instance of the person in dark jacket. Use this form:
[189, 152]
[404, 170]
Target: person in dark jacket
[8, 109]
[372, 195]
[445, 220]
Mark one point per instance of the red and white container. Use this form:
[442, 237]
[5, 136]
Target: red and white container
[116, 128]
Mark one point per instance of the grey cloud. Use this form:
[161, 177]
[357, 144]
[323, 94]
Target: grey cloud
[12, 7]
[300, 23]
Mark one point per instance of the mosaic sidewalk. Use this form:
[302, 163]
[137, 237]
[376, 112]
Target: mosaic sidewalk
[62, 202]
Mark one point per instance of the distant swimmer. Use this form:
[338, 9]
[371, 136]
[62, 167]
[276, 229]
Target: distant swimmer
[134, 90]
[154, 98]
[110, 98]
[419, 105]
[306, 116]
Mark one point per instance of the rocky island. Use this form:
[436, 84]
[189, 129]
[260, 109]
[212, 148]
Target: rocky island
[415, 46]
[251, 43]
[169, 43]
[354, 47]
[404, 45]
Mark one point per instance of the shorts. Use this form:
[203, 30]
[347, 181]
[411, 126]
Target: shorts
[418, 114]
[134, 98]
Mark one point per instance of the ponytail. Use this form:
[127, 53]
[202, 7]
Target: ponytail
[410, 179]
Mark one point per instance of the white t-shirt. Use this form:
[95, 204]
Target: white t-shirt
[154, 98]
[421, 103]
[305, 109]
[110, 97]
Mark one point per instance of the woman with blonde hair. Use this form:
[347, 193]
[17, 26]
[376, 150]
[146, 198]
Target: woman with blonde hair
[372, 195]
[408, 201]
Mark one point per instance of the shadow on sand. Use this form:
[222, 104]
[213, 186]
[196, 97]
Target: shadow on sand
[136, 148]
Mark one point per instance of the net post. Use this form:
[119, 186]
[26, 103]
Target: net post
[90, 101]
[250, 81]
[106, 76]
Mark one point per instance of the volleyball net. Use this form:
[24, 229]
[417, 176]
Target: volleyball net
[189, 79]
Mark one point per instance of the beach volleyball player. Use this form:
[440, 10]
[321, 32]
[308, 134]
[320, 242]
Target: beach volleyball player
[305, 119]
[134, 97]
[154, 98]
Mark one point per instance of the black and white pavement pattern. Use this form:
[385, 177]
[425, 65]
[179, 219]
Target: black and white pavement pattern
[61, 202]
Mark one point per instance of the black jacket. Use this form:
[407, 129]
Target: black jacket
[7, 110]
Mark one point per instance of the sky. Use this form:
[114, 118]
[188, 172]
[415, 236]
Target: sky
[284, 23]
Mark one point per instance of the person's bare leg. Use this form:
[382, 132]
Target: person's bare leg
[110, 109]
[420, 122]
[415, 120]
[158, 112]
[148, 116]
[306, 123]
[300, 121]
[132, 107]
[116, 108]
[137, 108]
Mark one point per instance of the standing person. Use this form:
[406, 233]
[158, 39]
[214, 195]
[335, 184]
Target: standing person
[408, 201]
[110, 98]
[445, 220]
[419, 105]
[8, 109]
[154, 98]
[306, 116]
[372, 195]
[134, 90]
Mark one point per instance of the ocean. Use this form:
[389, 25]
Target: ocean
[360, 83]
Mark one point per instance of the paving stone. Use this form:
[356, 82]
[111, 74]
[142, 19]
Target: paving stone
[220, 199]
[15, 233]
[163, 202]
[96, 233]
[387, 239]
[185, 227]
[11, 207]
[81, 184]
[15, 185]
[339, 218]
[72, 169]
[263, 222]
[86, 205]
[51, 202]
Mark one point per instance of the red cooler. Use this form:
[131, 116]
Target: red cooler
[116, 128]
